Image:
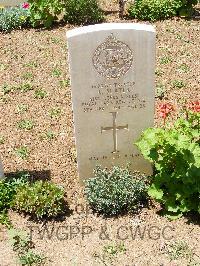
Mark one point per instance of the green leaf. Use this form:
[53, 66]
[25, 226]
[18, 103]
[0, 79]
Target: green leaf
[173, 216]
[48, 22]
[155, 192]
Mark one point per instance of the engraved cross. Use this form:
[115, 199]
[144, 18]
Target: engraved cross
[114, 128]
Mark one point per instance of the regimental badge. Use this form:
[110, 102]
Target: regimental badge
[113, 58]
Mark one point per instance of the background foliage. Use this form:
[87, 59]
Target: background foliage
[45, 12]
[13, 18]
[160, 9]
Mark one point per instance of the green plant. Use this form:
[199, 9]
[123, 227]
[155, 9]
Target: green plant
[19, 240]
[56, 72]
[13, 18]
[114, 249]
[8, 189]
[175, 152]
[23, 246]
[21, 108]
[3, 67]
[159, 72]
[31, 258]
[64, 83]
[179, 84]
[27, 76]
[40, 94]
[4, 219]
[115, 191]
[25, 124]
[160, 9]
[45, 12]
[22, 152]
[55, 112]
[2, 139]
[24, 87]
[49, 135]
[179, 249]
[165, 60]
[160, 91]
[6, 89]
[82, 12]
[56, 40]
[41, 198]
[184, 68]
[109, 253]
[31, 64]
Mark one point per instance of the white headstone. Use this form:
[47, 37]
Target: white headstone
[11, 2]
[1, 170]
[112, 78]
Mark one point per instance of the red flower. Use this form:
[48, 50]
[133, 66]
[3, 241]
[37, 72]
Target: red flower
[25, 5]
[165, 109]
[194, 106]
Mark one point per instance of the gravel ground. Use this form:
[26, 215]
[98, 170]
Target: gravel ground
[35, 62]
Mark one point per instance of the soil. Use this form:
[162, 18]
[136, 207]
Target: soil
[39, 58]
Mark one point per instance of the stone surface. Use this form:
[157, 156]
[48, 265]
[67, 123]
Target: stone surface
[112, 78]
[1, 170]
[11, 2]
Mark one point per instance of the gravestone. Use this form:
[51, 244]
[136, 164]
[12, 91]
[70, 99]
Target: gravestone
[11, 2]
[1, 170]
[112, 78]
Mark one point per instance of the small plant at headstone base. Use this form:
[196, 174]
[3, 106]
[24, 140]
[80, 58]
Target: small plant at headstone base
[40, 199]
[14, 17]
[82, 12]
[161, 9]
[116, 191]
[175, 152]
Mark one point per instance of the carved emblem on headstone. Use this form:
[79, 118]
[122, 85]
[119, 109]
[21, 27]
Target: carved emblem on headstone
[113, 58]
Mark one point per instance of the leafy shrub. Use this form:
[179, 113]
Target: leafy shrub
[45, 12]
[8, 188]
[82, 11]
[113, 192]
[160, 9]
[13, 18]
[41, 198]
[175, 151]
